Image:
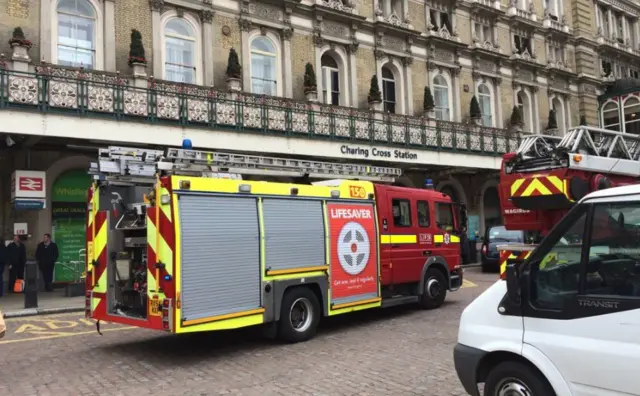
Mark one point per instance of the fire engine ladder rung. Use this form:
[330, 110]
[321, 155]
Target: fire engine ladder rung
[255, 164]
[533, 146]
[127, 162]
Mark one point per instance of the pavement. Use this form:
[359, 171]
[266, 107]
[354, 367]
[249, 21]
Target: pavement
[396, 351]
[12, 305]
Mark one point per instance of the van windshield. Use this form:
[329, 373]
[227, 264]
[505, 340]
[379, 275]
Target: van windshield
[501, 234]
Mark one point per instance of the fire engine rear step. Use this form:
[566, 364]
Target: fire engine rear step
[137, 165]
[582, 148]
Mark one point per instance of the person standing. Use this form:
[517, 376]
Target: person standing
[3, 260]
[47, 255]
[17, 259]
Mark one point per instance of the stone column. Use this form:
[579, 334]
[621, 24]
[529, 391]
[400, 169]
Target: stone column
[611, 27]
[408, 108]
[498, 103]
[286, 63]
[386, 7]
[353, 75]
[245, 53]
[536, 112]
[206, 16]
[110, 36]
[46, 35]
[156, 22]
[455, 81]
[567, 105]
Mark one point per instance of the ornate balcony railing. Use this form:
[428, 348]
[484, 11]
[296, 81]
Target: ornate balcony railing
[79, 93]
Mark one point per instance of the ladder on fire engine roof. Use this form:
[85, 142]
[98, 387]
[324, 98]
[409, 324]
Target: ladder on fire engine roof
[135, 165]
[582, 148]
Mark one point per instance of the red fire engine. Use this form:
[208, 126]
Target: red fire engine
[178, 241]
[547, 174]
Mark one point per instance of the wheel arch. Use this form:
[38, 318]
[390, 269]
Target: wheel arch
[437, 262]
[318, 285]
[544, 368]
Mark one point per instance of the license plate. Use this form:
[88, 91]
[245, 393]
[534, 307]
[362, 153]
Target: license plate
[154, 307]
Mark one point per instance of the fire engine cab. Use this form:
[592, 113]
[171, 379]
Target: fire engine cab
[180, 241]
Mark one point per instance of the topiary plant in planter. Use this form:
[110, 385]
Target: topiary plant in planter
[427, 102]
[516, 117]
[474, 109]
[375, 96]
[553, 123]
[310, 83]
[18, 39]
[136, 49]
[234, 70]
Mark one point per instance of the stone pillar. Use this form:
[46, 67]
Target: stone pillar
[139, 75]
[611, 27]
[156, 8]
[46, 35]
[286, 63]
[206, 16]
[353, 76]
[20, 58]
[386, 7]
[110, 36]
[535, 111]
[455, 81]
[500, 120]
[408, 99]
[245, 54]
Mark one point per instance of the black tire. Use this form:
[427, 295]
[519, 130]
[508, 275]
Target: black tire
[435, 289]
[517, 374]
[293, 326]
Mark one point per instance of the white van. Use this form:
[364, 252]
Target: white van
[567, 320]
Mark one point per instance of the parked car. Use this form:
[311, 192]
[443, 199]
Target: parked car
[494, 236]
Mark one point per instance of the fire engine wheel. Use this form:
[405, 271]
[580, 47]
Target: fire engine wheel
[299, 315]
[435, 289]
[516, 379]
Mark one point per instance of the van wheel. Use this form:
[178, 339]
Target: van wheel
[299, 315]
[435, 289]
[517, 379]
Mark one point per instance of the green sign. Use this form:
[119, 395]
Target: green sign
[72, 186]
[69, 205]
[69, 235]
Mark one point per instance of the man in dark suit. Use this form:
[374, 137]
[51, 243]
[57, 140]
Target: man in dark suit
[47, 255]
[16, 258]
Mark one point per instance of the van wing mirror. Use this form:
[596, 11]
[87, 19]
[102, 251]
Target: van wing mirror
[513, 283]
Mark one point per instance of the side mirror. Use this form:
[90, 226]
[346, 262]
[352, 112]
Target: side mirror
[513, 283]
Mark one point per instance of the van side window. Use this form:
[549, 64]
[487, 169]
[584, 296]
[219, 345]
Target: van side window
[423, 214]
[614, 250]
[401, 212]
[444, 216]
[557, 276]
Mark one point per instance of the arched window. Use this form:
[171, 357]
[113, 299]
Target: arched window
[76, 33]
[180, 51]
[264, 72]
[330, 80]
[441, 98]
[610, 116]
[632, 115]
[524, 104]
[485, 101]
[388, 90]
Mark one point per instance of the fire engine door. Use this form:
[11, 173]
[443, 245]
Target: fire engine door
[406, 254]
[447, 239]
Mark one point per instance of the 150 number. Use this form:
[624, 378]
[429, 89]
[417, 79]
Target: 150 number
[357, 192]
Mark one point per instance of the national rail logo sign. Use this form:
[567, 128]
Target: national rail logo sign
[353, 250]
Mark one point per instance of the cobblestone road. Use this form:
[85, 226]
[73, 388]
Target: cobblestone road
[391, 352]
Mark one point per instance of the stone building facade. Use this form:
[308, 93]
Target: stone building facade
[533, 54]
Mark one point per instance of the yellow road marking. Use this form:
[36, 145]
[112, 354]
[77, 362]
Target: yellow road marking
[62, 335]
[466, 283]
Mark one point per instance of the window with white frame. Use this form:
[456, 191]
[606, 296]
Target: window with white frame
[180, 51]
[610, 116]
[76, 33]
[441, 94]
[555, 52]
[554, 8]
[603, 21]
[439, 17]
[524, 105]
[483, 30]
[388, 90]
[486, 104]
[632, 115]
[330, 80]
[606, 68]
[264, 62]
[522, 44]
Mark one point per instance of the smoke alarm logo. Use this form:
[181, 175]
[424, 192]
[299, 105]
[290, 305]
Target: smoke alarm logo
[353, 248]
